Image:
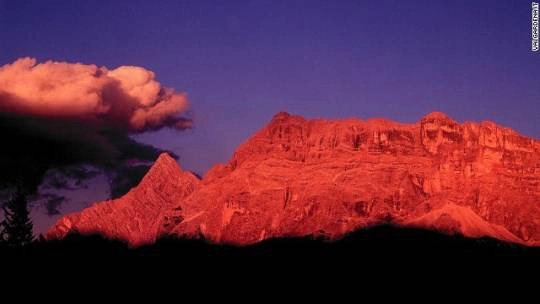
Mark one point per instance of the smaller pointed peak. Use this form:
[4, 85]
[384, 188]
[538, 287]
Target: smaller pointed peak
[164, 167]
[165, 160]
[164, 157]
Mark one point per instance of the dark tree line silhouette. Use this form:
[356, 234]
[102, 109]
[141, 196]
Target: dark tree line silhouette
[16, 228]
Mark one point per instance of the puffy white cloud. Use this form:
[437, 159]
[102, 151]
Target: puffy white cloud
[127, 96]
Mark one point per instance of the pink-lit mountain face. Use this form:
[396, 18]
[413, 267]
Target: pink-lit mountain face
[299, 177]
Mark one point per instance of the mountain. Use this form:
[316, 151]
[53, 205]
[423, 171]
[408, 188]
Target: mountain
[134, 217]
[326, 178]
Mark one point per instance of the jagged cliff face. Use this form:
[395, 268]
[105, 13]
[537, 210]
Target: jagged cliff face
[299, 177]
[135, 217]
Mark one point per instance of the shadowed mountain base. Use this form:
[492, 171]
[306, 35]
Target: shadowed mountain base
[381, 255]
[377, 242]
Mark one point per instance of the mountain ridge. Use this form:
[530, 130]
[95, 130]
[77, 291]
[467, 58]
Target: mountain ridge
[298, 177]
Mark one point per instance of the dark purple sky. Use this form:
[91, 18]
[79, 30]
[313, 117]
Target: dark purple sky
[243, 61]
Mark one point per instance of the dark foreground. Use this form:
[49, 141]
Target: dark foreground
[382, 262]
[380, 255]
[375, 243]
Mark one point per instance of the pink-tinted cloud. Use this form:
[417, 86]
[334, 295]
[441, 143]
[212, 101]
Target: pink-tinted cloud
[127, 96]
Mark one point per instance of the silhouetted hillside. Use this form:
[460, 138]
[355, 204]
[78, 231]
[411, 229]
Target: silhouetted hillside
[377, 242]
[382, 255]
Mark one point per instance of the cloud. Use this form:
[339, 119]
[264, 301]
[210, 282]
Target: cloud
[58, 115]
[51, 202]
[127, 96]
[68, 178]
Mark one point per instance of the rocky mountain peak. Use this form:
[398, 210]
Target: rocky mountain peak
[437, 117]
[300, 177]
[165, 164]
[280, 116]
[137, 216]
